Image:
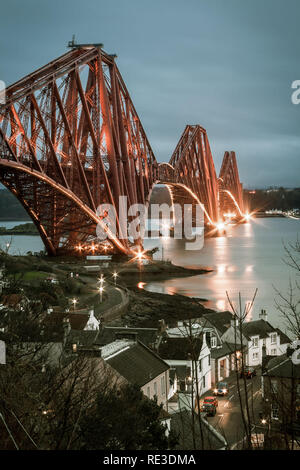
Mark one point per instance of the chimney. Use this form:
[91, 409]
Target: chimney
[263, 315]
[234, 323]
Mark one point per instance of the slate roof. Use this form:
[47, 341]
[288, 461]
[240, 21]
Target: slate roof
[108, 334]
[282, 366]
[78, 321]
[84, 338]
[180, 348]
[137, 364]
[182, 424]
[258, 327]
[284, 339]
[227, 348]
[220, 320]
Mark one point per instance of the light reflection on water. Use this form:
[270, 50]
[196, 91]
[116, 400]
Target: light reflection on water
[249, 257]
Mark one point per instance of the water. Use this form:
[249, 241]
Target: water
[249, 257]
[19, 244]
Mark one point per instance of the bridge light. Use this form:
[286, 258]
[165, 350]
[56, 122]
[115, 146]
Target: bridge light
[220, 226]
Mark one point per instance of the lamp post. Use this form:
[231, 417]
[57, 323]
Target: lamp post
[74, 302]
[115, 275]
[101, 289]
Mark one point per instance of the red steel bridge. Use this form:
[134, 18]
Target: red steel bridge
[71, 139]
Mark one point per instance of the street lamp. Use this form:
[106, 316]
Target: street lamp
[115, 275]
[74, 302]
[101, 289]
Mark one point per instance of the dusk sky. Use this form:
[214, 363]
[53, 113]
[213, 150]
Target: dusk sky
[227, 65]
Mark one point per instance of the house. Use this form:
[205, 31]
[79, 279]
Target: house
[139, 365]
[281, 393]
[190, 356]
[219, 321]
[213, 324]
[80, 319]
[256, 335]
[224, 357]
[148, 336]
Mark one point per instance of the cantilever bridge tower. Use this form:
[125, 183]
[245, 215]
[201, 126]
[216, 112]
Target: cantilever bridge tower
[71, 139]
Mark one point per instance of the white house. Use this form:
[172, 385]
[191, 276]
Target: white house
[92, 323]
[257, 335]
[192, 355]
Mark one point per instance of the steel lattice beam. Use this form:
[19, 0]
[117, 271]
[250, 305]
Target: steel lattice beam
[71, 139]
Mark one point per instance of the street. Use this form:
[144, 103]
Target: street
[228, 419]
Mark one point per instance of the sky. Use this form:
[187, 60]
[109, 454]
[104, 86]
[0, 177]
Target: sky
[227, 65]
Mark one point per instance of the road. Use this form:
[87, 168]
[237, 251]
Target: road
[228, 420]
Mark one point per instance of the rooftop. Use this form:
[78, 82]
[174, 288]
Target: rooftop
[180, 348]
[282, 366]
[108, 334]
[220, 320]
[135, 362]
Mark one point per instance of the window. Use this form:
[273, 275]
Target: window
[213, 341]
[274, 411]
[208, 358]
[203, 381]
[273, 352]
[155, 388]
[255, 341]
[148, 392]
[200, 365]
[274, 386]
[255, 356]
[273, 338]
[162, 385]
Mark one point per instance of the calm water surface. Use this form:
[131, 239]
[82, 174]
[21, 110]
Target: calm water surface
[249, 257]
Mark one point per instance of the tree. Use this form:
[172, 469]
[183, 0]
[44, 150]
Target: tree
[124, 419]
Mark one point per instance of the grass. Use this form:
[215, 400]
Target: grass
[32, 275]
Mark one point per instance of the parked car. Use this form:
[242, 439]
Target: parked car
[210, 401]
[249, 372]
[209, 409]
[221, 389]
